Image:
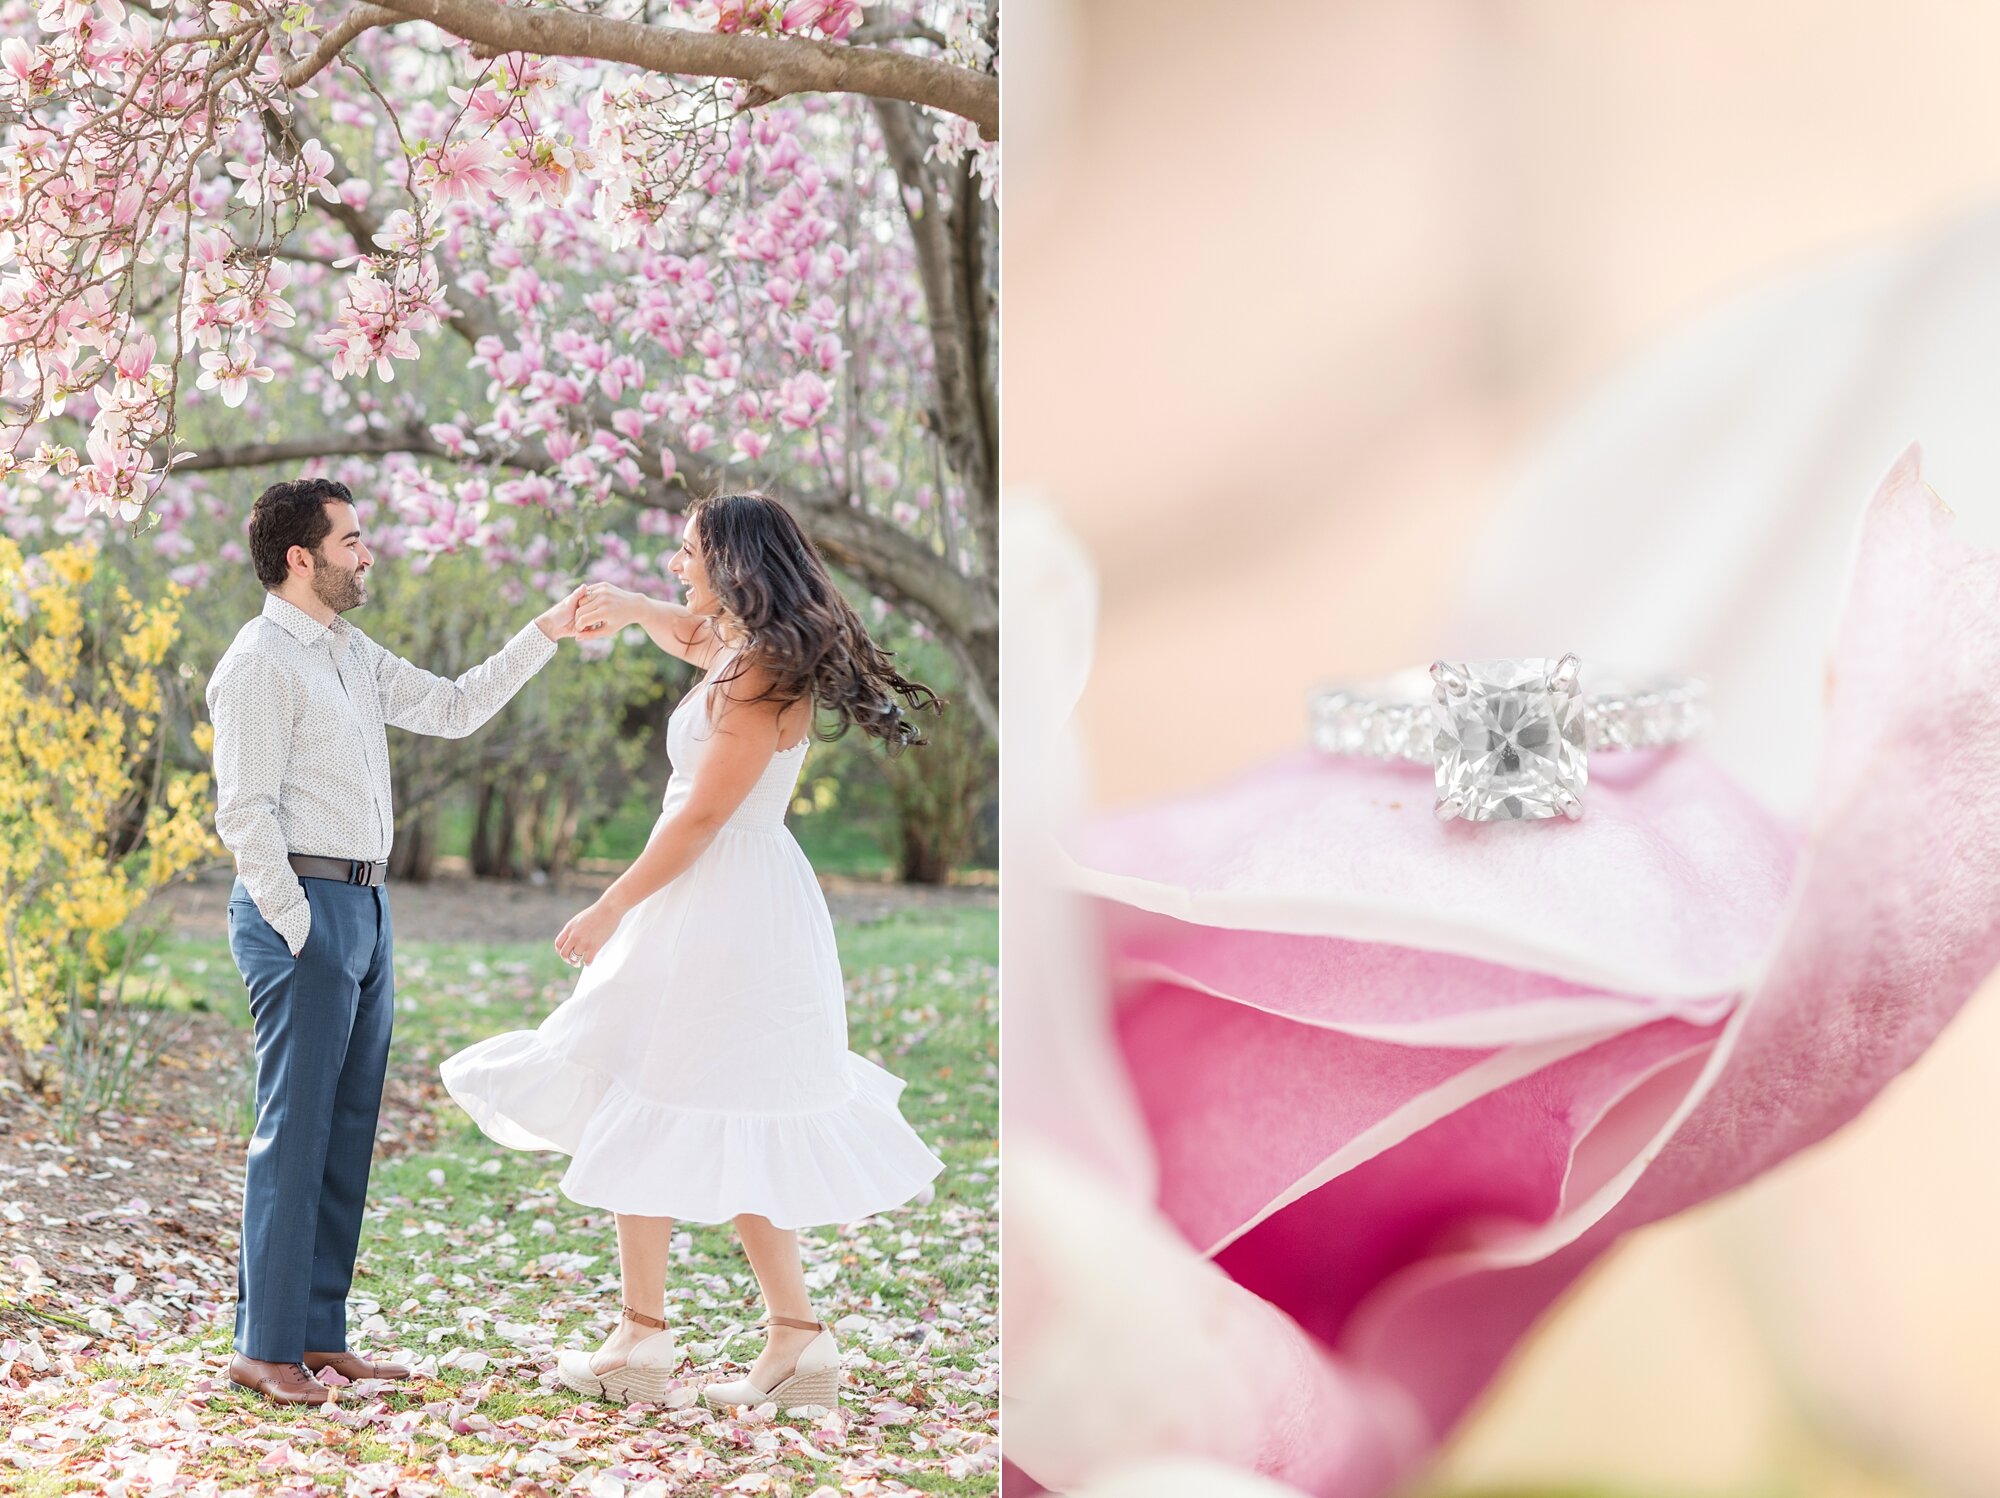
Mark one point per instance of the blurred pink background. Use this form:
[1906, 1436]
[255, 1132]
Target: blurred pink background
[1286, 300]
[1291, 297]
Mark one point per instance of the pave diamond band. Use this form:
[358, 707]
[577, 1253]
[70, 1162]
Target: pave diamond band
[1507, 738]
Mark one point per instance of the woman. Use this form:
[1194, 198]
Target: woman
[700, 1071]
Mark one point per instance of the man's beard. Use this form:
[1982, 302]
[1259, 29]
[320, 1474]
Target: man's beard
[339, 591]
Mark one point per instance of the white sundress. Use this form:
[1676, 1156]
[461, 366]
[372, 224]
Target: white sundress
[700, 1068]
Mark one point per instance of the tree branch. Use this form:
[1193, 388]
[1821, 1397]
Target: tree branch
[772, 66]
[363, 17]
[883, 557]
[372, 442]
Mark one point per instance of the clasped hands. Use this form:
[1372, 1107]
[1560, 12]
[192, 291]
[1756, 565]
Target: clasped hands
[593, 611]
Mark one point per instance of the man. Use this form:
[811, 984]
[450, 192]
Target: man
[299, 703]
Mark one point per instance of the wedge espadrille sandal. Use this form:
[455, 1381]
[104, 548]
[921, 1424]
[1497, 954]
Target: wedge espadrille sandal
[645, 1374]
[814, 1379]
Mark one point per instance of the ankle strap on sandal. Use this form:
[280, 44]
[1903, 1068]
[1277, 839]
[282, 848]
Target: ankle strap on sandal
[643, 1319]
[804, 1326]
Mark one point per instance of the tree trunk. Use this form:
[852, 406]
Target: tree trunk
[524, 812]
[562, 836]
[488, 831]
[415, 851]
[920, 860]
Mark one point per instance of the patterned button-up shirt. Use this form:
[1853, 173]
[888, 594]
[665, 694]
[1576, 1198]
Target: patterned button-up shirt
[300, 711]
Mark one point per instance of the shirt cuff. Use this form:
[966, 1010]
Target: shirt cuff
[294, 925]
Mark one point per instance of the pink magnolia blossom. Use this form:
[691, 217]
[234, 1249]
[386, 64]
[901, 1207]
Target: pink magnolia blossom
[135, 359]
[231, 374]
[25, 68]
[1353, 1097]
[462, 171]
[541, 174]
[312, 174]
[802, 400]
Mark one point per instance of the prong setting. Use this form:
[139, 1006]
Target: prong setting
[1451, 681]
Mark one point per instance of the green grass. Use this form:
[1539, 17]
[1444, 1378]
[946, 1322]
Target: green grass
[468, 1225]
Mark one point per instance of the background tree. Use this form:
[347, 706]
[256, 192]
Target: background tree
[631, 257]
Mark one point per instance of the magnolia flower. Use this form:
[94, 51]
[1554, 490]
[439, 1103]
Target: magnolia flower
[1317, 1106]
[402, 232]
[802, 400]
[313, 173]
[542, 174]
[231, 373]
[251, 176]
[25, 68]
[136, 356]
[462, 171]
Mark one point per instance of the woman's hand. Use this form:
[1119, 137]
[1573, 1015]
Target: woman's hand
[606, 608]
[587, 932]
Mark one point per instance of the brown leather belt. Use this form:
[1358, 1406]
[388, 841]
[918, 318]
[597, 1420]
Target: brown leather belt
[346, 870]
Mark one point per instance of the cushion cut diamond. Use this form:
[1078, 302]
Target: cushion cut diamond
[1510, 739]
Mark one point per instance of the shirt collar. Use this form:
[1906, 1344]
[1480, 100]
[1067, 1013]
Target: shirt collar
[302, 627]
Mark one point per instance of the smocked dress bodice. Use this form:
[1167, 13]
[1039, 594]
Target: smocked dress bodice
[690, 733]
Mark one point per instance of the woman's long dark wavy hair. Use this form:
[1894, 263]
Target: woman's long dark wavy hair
[802, 633]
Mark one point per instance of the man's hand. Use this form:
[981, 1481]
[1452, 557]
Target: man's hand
[558, 622]
[606, 609]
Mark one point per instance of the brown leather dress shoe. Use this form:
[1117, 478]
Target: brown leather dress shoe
[347, 1365]
[281, 1383]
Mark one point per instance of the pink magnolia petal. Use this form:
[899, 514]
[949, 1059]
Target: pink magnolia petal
[1374, 991]
[1123, 1344]
[1670, 885]
[1516, 1159]
[1251, 1111]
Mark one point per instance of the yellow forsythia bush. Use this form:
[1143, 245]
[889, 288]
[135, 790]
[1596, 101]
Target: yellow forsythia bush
[83, 669]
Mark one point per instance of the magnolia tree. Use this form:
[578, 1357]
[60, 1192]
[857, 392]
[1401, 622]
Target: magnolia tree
[517, 270]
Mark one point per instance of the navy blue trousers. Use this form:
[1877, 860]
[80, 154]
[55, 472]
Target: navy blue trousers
[322, 1022]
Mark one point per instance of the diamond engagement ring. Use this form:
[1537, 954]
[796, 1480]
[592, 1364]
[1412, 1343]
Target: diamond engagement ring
[1507, 739]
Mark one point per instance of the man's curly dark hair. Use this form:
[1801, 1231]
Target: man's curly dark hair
[290, 514]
